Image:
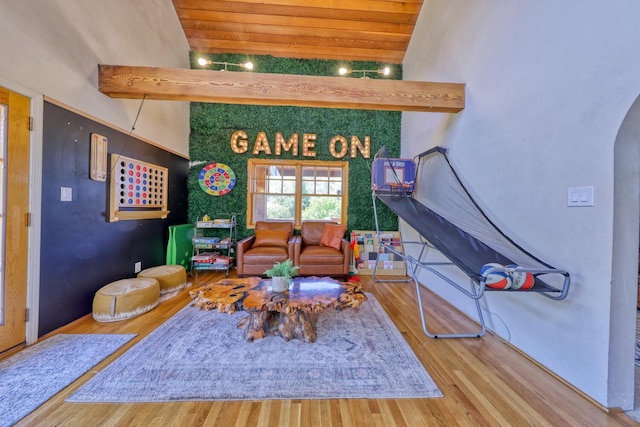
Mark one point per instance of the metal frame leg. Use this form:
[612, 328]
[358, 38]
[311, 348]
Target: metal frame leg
[476, 297]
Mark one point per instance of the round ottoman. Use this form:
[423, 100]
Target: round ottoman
[171, 278]
[125, 299]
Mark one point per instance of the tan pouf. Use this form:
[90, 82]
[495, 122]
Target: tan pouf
[125, 299]
[172, 278]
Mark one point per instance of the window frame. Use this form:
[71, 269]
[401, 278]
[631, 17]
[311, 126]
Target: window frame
[252, 165]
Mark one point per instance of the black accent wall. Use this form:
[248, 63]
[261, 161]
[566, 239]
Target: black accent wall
[81, 250]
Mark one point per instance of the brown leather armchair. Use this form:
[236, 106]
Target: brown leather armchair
[272, 242]
[321, 251]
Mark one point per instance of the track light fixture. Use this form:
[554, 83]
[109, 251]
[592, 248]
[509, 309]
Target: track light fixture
[204, 62]
[384, 71]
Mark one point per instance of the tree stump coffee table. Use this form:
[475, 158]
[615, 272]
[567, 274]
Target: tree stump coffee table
[286, 314]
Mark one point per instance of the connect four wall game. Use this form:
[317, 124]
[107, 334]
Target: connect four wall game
[138, 189]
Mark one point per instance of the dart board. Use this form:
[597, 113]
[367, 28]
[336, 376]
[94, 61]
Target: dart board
[139, 184]
[217, 179]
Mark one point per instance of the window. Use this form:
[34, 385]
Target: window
[297, 191]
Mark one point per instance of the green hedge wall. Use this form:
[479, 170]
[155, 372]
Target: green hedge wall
[213, 124]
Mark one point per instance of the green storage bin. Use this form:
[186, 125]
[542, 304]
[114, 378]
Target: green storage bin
[179, 248]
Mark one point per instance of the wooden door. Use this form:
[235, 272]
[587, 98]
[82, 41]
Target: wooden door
[14, 217]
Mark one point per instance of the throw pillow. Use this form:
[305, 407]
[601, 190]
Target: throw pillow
[271, 238]
[332, 235]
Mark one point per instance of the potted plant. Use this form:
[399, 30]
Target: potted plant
[281, 274]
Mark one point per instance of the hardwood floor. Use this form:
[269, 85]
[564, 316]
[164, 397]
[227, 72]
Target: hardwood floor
[484, 382]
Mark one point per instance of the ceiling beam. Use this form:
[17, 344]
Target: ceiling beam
[232, 87]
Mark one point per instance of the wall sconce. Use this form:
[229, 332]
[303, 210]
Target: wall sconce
[384, 71]
[204, 62]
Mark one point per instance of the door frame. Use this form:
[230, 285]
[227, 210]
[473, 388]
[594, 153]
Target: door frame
[624, 267]
[35, 206]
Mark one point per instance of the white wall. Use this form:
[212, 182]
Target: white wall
[548, 86]
[54, 47]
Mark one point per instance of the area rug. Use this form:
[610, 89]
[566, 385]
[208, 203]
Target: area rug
[201, 355]
[635, 412]
[638, 338]
[37, 373]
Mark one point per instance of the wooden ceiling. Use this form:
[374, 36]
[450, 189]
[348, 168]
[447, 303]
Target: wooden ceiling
[349, 30]
[346, 30]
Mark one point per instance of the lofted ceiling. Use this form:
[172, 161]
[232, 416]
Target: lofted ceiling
[343, 30]
[349, 30]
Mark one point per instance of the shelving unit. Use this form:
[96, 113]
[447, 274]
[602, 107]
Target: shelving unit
[214, 244]
[374, 259]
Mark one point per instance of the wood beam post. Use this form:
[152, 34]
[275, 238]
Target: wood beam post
[233, 87]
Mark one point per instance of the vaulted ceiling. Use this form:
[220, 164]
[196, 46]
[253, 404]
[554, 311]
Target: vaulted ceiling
[347, 30]
[362, 30]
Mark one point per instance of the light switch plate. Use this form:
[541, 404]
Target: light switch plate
[66, 194]
[580, 196]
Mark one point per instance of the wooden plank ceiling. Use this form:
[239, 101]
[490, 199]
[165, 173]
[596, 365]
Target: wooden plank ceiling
[343, 30]
[350, 30]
